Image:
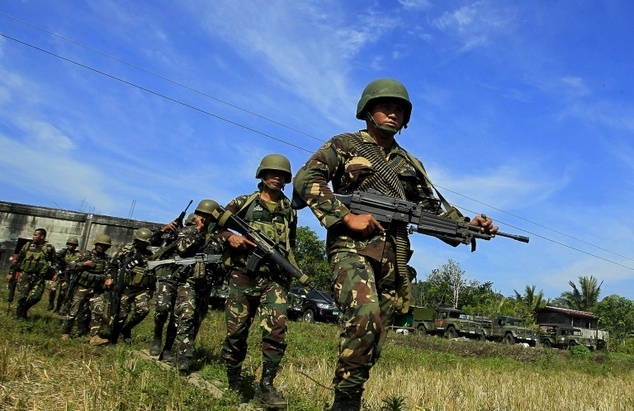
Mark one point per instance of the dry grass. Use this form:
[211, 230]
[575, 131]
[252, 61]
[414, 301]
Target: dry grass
[40, 372]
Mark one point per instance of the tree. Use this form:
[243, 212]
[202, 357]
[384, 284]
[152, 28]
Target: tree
[444, 285]
[310, 254]
[582, 298]
[530, 302]
[616, 315]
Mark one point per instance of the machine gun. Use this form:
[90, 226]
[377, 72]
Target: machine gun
[388, 209]
[265, 247]
[170, 236]
[187, 261]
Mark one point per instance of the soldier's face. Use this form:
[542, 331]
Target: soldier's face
[388, 113]
[274, 179]
[71, 247]
[38, 237]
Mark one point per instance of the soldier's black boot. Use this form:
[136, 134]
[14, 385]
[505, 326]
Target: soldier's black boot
[51, 300]
[266, 394]
[347, 401]
[183, 365]
[235, 382]
[20, 311]
[155, 348]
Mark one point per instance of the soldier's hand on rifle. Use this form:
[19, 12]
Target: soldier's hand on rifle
[486, 223]
[169, 227]
[108, 282]
[9, 277]
[240, 243]
[88, 263]
[364, 224]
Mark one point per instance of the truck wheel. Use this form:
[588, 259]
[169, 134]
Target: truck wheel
[422, 331]
[451, 333]
[309, 316]
[572, 344]
[509, 339]
[547, 344]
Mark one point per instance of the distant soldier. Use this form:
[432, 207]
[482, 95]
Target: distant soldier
[59, 284]
[138, 285]
[180, 290]
[91, 277]
[35, 261]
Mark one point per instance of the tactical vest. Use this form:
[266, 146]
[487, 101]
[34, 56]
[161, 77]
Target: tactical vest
[93, 277]
[35, 258]
[271, 224]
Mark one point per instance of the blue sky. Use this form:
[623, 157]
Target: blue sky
[522, 110]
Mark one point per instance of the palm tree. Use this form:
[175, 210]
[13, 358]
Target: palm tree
[584, 297]
[530, 301]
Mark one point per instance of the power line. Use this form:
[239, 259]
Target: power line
[147, 90]
[185, 86]
[288, 143]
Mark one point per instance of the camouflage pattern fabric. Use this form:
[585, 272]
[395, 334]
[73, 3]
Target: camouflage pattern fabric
[178, 295]
[364, 276]
[88, 297]
[265, 290]
[247, 293]
[35, 261]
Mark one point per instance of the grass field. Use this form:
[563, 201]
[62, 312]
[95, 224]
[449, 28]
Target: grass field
[38, 371]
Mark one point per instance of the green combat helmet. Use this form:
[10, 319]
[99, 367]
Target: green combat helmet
[385, 88]
[207, 207]
[103, 239]
[72, 240]
[190, 220]
[275, 162]
[143, 234]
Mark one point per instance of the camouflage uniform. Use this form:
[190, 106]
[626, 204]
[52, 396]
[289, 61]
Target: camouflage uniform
[88, 296]
[64, 259]
[137, 288]
[35, 262]
[267, 289]
[364, 269]
[180, 293]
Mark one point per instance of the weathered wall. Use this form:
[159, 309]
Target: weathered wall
[20, 220]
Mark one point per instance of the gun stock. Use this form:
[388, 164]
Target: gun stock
[198, 258]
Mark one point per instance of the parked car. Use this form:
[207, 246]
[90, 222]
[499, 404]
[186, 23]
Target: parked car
[311, 305]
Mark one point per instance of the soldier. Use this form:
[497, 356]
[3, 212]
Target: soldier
[179, 291]
[136, 287]
[36, 261]
[370, 282]
[61, 280]
[268, 210]
[91, 272]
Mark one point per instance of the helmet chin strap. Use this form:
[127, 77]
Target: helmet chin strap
[385, 129]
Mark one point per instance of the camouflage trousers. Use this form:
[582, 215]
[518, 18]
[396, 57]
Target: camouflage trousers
[30, 288]
[365, 291]
[164, 310]
[247, 294]
[134, 305]
[86, 300]
[189, 310]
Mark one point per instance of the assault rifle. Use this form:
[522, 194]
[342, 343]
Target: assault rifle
[388, 209]
[198, 258]
[109, 328]
[266, 247]
[169, 236]
[13, 282]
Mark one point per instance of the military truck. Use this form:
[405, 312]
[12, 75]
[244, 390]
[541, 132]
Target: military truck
[563, 336]
[441, 321]
[509, 330]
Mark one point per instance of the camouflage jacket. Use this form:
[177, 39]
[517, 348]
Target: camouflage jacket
[130, 266]
[339, 162]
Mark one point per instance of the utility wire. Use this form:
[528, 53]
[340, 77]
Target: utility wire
[147, 90]
[288, 143]
[185, 86]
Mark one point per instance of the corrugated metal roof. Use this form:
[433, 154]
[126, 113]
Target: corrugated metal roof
[567, 311]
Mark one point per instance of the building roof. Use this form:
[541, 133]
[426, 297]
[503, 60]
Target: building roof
[567, 311]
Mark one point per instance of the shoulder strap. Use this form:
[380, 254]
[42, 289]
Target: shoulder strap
[452, 211]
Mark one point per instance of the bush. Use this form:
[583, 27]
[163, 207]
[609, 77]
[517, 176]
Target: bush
[580, 351]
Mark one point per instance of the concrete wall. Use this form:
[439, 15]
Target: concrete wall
[18, 221]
